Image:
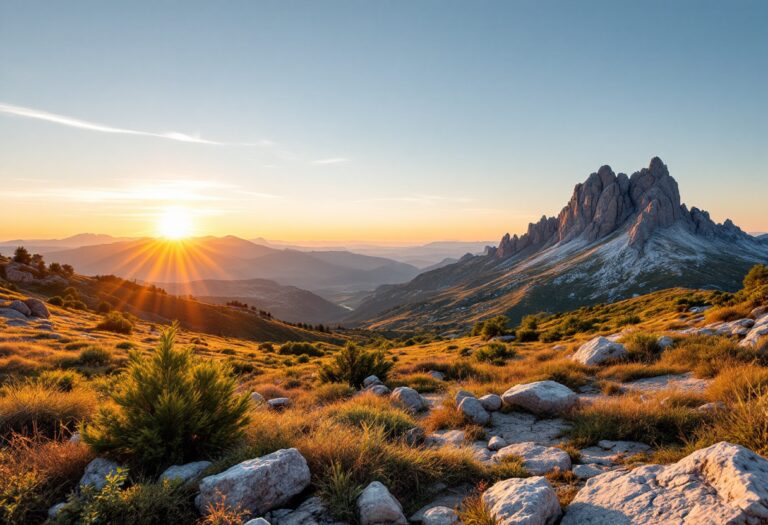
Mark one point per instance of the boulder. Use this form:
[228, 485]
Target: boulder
[376, 506]
[379, 390]
[20, 307]
[311, 512]
[609, 452]
[257, 485]
[491, 402]
[440, 516]
[586, 471]
[96, 473]
[442, 438]
[473, 410]
[723, 483]
[371, 380]
[665, 342]
[523, 501]
[461, 394]
[56, 509]
[439, 376]
[496, 443]
[414, 436]
[257, 398]
[15, 275]
[757, 332]
[537, 460]
[257, 521]
[599, 350]
[541, 397]
[408, 398]
[185, 473]
[38, 308]
[12, 314]
[279, 403]
[758, 312]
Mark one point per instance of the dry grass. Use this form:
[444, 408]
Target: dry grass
[631, 371]
[727, 313]
[474, 512]
[738, 382]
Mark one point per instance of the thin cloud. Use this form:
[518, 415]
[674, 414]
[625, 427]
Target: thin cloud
[334, 160]
[71, 122]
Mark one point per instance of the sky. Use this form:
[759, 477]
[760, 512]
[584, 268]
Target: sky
[399, 121]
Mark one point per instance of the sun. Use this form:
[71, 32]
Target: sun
[175, 223]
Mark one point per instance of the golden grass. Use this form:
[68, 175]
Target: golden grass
[738, 382]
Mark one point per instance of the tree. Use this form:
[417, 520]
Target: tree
[353, 364]
[54, 267]
[491, 327]
[67, 270]
[172, 408]
[22, 256]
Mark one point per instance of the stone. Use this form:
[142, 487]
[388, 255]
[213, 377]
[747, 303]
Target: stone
[450, 497]
[441, 438]
[20, 307]
[461, 394]
[408, 398]
[38, 308]
[756, 333]
[439, 376]
[520, 427]
[473, 410]
[611, 452]
[257, 398]
[440, 516]
[537, 459]
[665, 342]
[279, 403]
[491, 402]
[758, 312]
[96, 473]
[723, 483]
[414, 436]
[56, 509]
[586, 471]
[376, 506]
[257, 521]
[75, 438]
[185, 473]
[16, 275]
[680, 382]
[503, 338]
[371, 380]
[598, 350]
[496, 443]
[313, 511]
[523, 501]
[379, 390]
[541, 397]
[10, 313]
[710, 408]
[257, 485]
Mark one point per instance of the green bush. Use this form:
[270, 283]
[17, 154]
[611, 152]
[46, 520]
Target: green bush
[339, 490]
[495, 353]
[116, 322]
[642, 348]
[353, 364]
[104, 307]
[300, 348]
[64, 380]
[525, 335]
[94, 356]
[757, 276]
[171, 409]
[56, 300]
[491, 327]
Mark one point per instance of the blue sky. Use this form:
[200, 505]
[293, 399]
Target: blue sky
[381, 121]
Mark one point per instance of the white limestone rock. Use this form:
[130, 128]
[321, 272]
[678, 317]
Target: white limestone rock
[408, 398]
[523, 501]
[541, 397]
[491, 402]
[440, 516]
[96, 473]
[473, 410]
[599, 350]
[537, 460]
[185, 473]
[376, 506]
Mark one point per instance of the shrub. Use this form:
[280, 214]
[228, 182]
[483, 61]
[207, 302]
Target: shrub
[525, 335]
[707, 355]
[299, 349]
[35, 409]
[75, 304]
[727, 313]
[104, 307]
[756, 277]
[125, 345]
[642, 348]
[116, 322]
[171, 409]
[629, 319]
[420, 382]
[56, 300]
[64, 380]
[339, 491]
[372, 411]
[353, 364]
[330, 392]
[94, 356]
[495, 353]
[489, 328]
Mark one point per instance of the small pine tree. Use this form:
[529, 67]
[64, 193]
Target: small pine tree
[353, 364]
[67, 270]
[171, 409]
[22, 256]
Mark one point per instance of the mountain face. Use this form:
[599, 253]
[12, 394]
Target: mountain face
[286, 303]
[617, 236]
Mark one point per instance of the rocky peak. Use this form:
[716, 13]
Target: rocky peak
[647, 201]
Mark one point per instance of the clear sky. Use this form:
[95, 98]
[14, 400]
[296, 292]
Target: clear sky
[379, 121]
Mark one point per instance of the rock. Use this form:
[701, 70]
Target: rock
[311, 512]
[279, 403]
[586, 471]
[408, 398]
[461, 394]
[709, 408]
[257, 398]
[611, 452]
[503, 338]
[20, 307]
[541, 397]
[414, 436]
[440, 516]
[185, 473]
[15, 275]
[758, 312]
[257, 485]
[75, 438]
[441, 438]
[96, 473]
[38, 308]
[10, 313]
[699, 309]
[523, 501]
[679, 382]
[56, 509]
[379, 390]
[520, 427]
[537, 460]
[723, 483]
[756, 333]
[599, 350]
[491, 402]
[370, 381]
[376, 506]
[17, 322]
[496, 443]
[448, 497]
[437, 375]
[474, 411]
[257, 521]
[665, 342]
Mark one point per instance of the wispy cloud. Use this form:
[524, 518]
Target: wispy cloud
[72, 122]
[420, 199]
[333, 160]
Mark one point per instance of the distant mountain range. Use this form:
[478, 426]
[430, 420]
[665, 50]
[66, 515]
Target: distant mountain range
[50, 245]
[617, 236]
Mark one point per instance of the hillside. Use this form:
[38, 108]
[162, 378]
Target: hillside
[618, 236]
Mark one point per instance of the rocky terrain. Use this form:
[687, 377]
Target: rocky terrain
[619, 235]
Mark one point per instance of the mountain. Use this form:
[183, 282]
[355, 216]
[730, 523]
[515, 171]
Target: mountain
[48, 245]
[618, 236]
[287, 303]
[232, 258]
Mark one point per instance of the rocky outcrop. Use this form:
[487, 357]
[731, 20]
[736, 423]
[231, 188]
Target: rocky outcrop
[541, 397]
[723, 483]
[376, 506]
[537, 460]
[599, 350]
[96, 473]
[257, 485]
[527, 501]
[647, 201]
